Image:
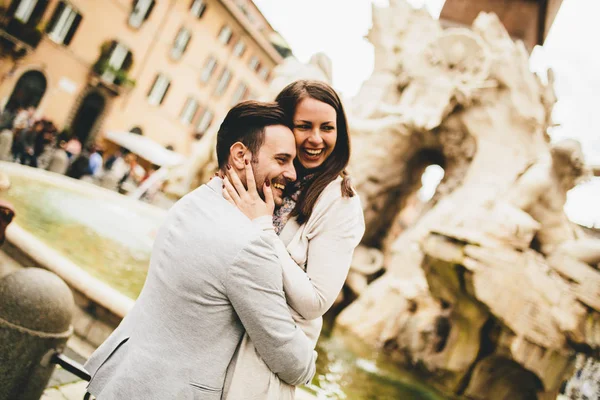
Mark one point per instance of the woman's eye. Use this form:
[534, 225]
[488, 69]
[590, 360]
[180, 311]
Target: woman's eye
[327, 128]
[302, 127]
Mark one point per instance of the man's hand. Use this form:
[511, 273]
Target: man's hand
[248, 200]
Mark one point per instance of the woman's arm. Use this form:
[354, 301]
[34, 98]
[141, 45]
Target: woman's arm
[330, 250]
[337, 228]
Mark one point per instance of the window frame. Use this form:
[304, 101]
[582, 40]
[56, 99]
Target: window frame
[186, 117]
[202, 8]
[60, 16]
[177, 52]
[239, 53]
[254, 63]
[27, 7]
[263, 72]
[221, 38]
[138, 15]
[207, 73]
[154, 98]
[240, 93]
[223, 82]
[203, 120]
[116, 59]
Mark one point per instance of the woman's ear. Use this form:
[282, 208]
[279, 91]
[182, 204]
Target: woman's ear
[237, 152]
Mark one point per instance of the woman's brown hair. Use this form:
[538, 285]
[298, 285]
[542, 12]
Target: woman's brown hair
[335, 165]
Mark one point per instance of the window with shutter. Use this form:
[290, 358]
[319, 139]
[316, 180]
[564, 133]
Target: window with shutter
[115, 62]
[141, 12]
[263, 73]
[254, 63]
[239, 94]
[223, 83]
[181, 42]
[209, 69]
[204, 122]
[189, 111]
[198, 8]
[239, 49]
[63, 24]
[25, 10]
[159, 89]
[225, 35]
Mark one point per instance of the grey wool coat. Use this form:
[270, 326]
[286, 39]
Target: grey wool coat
[212, 277]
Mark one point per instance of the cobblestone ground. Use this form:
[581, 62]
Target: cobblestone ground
[63, 385]
[70, 391]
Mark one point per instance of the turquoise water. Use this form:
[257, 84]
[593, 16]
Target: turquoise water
[363, 374]
[113, 243]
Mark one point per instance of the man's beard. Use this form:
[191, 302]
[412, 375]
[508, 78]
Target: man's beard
[260, 185]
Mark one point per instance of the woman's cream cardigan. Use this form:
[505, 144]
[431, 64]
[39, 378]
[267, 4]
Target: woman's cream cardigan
[316, 256]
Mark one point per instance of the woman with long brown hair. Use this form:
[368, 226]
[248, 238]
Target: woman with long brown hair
[315, 230]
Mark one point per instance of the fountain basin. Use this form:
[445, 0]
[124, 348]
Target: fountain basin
[83, 233]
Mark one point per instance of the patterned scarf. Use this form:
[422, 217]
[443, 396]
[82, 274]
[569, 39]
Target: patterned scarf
[282, 214]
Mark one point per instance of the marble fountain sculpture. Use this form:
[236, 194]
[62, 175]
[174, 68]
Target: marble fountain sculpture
[492, 291]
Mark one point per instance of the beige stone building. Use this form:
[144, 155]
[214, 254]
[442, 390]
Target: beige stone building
[169, 69]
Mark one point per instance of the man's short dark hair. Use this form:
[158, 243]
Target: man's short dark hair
[246, 123]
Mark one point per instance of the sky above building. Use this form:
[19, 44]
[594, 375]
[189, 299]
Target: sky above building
[338, 28]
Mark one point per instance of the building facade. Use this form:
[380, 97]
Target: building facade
[168, 69]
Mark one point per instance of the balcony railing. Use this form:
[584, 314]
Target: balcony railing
[17, 38]
[116, 81]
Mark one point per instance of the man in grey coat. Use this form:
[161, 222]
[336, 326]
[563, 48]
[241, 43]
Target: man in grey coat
[212, 276]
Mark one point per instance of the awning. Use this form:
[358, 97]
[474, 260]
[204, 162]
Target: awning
[146, 148]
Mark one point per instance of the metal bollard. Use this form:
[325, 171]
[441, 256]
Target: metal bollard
[36, 308]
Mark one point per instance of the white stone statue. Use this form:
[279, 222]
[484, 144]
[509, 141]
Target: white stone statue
[465, 99]
[542, 192]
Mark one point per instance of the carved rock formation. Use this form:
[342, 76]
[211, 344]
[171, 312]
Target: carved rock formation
[493, 287]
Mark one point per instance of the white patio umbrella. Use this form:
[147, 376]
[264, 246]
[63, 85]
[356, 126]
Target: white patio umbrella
[146, 148]
[149, 150]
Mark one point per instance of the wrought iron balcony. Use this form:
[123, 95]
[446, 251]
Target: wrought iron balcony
[17, 37]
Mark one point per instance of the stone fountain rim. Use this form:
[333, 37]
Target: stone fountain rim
[48, 258]
[78, 186]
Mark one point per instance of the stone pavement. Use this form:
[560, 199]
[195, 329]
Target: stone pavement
[70, 391]
[64, 385]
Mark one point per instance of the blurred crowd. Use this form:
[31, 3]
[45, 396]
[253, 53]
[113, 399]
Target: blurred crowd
[36, 142]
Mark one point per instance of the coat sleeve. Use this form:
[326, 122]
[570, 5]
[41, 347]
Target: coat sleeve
[255, 288]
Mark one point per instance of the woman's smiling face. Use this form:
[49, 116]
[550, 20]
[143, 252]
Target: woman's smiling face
[315, 129]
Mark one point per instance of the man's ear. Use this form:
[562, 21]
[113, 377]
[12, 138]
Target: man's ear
[237, 153]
